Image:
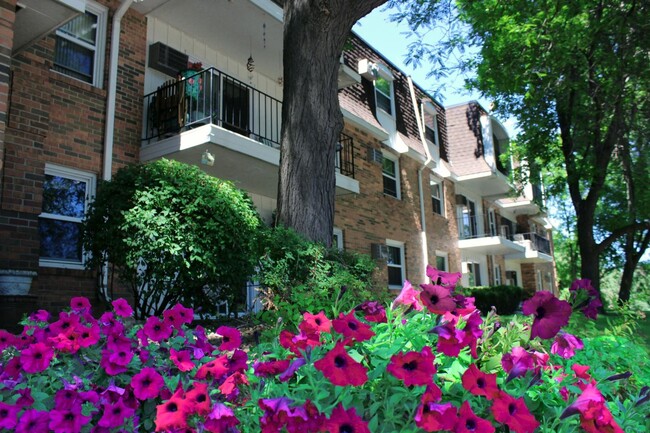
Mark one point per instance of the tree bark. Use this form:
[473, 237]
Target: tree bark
[632, 258]
[314, 35]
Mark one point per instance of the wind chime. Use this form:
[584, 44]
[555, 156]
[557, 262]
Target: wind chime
[250, 63]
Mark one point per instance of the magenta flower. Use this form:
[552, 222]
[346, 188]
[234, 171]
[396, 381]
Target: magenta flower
[230, 338]
[340, 368]
[88, 335]
[550, 313]
[413, 368]
[220, 419]
[451, 340]
[373, 311]
[480, 383]
[40, 316]
[408, 297]
[343, 420]
[33, 421]
[351, 328]
[8, 415]
[36, 358]
[80, 304]
[318, 322]
[181, 359]
[566, 344]
[443, 278]
[7, 339]
[289, 372]
[595, 417]
[122, 308]
[156, 330]
[591, 303]
[514, 413]
[468, 422]
[178, 316]
[114, 414]
[69, 420]
[437, 299]
[147, 383]
[271, 367]
[432, 416]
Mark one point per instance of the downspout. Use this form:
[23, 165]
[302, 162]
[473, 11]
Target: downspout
[110, 114]
[423, 233]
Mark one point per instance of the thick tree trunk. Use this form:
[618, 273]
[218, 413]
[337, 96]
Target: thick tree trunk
[314, 35]
[589, 254]
[632, 257]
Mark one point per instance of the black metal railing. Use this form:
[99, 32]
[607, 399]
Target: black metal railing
[538, 243]
[469, 228]
[211, 97]
[538, 196]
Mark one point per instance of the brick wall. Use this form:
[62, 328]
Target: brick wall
[60, 120]
[7, 18]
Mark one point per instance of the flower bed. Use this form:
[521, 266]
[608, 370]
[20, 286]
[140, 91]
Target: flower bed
[429, 363]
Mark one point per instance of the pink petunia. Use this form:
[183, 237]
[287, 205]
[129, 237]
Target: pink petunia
[437, 299]
[68, 420]
[409, 297]
[147, 383]
[480, 383]
[566, 344]
[443, 278]
[550, 313]
[413, 368]
[220, 419]
[181, 359]
[114, 414]
[122, 308]
[156, 330]
[80, 304]
[36, 358]
[514, 413]
[231, 338]
[8, 415]
[468, 422]
[33, 421]
[351, 328]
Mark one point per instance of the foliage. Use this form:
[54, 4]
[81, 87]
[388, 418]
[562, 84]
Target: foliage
[173, 234]
[640, 293]
[123, 376]
[504, 298]
[297, 275]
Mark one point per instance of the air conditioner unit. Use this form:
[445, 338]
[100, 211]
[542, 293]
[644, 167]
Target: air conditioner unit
[166, 59]
[368, 70]
[375, 155]
[379, 251]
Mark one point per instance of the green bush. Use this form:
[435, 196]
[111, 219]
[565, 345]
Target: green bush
[297, 275]
[504, 298]
[173, 234]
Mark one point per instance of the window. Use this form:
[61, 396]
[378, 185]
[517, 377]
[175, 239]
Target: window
[337, 238]
[66, 193]
[384, 94]
[395, 264]
[474, 271]
[492, 223]
[540, 282]
[441, 261]
[497, 275]
[466, 213]
[430, 124]
[511, 278]
[437, 197]
[79, 50]
[390, 171]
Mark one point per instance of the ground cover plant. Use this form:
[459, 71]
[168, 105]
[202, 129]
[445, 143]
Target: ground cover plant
[429, 362]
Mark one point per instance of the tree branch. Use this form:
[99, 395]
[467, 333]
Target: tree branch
[609, 240]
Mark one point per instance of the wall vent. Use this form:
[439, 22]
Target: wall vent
[166, 59]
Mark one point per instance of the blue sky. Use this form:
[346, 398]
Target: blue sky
[390, 40]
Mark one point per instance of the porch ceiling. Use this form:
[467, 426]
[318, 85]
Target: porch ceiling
[490, 245]
[235, 28]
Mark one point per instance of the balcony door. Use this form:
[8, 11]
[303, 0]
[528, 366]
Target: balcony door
[236, 106]
[466, 213]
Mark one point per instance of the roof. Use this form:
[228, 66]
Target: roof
[466, 139]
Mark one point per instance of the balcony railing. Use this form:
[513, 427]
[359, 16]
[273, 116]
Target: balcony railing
[469, 227]
[211, 97]
[537, 242]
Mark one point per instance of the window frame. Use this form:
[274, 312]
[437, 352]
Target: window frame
[445, 256]
[441, 199]
[474, 273]
[384, 73]
[99, 49]
[497, 275]
[431, 111]
[401, 266]
[339, 238]
[396, 178]
[91, 183]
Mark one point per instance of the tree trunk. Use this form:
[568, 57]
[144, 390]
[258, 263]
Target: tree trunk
[314, 35]
[589, 255]
[632, 257]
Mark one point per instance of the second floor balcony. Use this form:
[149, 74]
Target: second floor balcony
[210, 111]
[538, 248]
[480, 234]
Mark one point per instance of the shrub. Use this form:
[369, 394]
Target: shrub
[504, 298]
[297, 275]
[173, 234]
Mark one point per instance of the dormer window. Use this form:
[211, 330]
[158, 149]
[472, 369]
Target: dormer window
[384, 90]
[430, 124]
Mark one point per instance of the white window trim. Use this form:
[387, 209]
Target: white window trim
[492, 223]
[100, 46]
[540, 281]
[497, 275]
[386, 74]
[440, 183]
[429, 108]
[339, 238]
[400, 245]
[91, 182]
[398, 187]
[444, 255]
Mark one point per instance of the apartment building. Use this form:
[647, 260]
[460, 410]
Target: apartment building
[90, 86]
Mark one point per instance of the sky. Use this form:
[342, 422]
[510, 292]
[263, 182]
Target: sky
[389, 39]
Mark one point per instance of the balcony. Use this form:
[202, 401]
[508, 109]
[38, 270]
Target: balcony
[496, 240]
[537, 249]
[238, 124]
